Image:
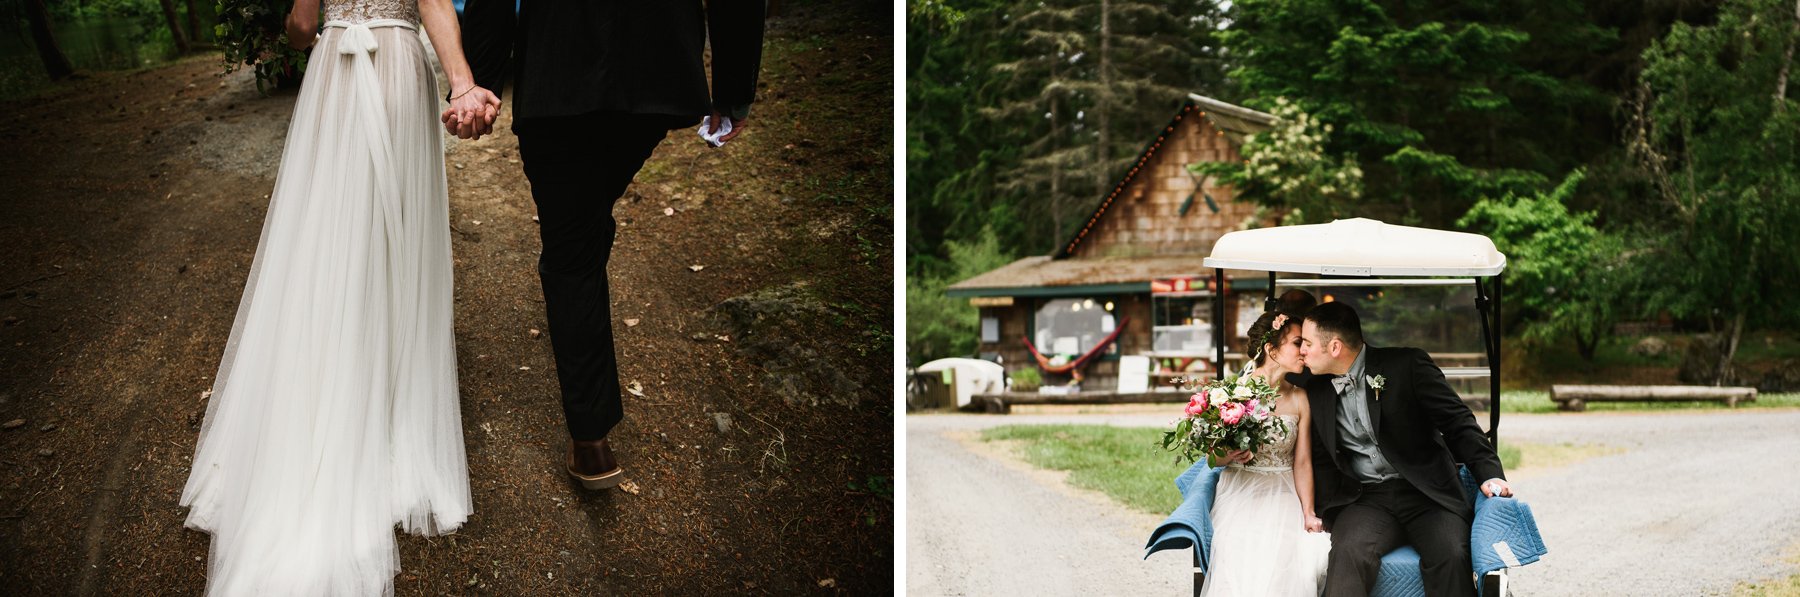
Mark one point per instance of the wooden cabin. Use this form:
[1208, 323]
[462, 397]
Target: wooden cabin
[1135, 267]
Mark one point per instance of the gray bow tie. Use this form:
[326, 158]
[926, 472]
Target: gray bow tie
[1342, 383]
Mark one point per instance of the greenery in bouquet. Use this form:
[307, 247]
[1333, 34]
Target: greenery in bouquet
[1233, 413]
[254, 33]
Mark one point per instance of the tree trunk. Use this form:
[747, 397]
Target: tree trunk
[1729, 350]
[1057, 201]
[1586, 345]
[193, 22]
[1103, 107]
[1787, 60]
[55, 63]
[181, 42]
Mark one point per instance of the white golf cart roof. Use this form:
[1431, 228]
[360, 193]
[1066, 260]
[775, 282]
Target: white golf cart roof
[1358, 247]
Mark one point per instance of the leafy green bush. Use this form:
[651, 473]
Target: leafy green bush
[1026, 380]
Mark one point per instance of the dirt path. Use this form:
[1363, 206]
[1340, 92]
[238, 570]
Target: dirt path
[130, 207]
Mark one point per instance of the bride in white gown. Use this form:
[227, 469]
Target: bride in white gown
[335, 413]
[1266, 540]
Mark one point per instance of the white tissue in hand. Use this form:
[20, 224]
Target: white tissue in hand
[724, 129]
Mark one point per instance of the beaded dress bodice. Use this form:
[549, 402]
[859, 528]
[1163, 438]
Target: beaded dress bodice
[361, 11]
[1280, 453]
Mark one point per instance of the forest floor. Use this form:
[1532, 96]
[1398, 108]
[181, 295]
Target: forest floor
[130, 209]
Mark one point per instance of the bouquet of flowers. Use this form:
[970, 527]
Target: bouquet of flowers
[1233, 413]
[254, 32]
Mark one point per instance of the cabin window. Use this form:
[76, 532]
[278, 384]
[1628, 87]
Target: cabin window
[1074, 326]
[1182, 324]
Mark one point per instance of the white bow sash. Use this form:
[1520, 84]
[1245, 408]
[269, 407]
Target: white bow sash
[359, 43]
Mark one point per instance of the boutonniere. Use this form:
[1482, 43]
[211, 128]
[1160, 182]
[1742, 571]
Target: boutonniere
[1376, 383]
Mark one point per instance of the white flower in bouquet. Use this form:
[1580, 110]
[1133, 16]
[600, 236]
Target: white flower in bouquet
[1243, 390]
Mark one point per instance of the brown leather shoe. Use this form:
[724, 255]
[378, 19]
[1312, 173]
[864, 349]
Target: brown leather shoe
[593, 464]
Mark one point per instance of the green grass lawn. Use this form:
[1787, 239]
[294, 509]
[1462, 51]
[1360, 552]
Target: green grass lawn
[1539, 402]
[1126, 463]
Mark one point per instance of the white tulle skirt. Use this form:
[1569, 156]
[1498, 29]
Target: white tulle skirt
[1260, 545]
[334, 416]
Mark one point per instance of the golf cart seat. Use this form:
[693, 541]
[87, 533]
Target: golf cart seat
[1504, 535]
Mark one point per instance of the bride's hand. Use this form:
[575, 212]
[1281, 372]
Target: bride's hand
[1313, 524]
[1236, 456]
[472, 114]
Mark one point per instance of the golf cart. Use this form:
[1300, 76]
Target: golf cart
[1357, 255]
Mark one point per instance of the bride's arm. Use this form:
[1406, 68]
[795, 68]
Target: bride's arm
[1303, 474]
[303, 23]
[474, 107]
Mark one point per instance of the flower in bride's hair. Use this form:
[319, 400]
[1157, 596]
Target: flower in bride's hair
[1280, 320]
[1231, 412]
[1196, 403]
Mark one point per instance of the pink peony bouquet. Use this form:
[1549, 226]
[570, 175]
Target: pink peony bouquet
[1234, 413]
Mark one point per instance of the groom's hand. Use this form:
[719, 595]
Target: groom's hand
[471, 115]
[737, 126]
[1496, 487]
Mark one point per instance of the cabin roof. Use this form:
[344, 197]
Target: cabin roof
[1236, 122]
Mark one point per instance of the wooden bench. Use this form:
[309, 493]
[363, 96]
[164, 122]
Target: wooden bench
[1576, 397]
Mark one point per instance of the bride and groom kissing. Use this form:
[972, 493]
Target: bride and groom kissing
[1371, 456]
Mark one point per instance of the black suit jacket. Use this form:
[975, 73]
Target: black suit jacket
[1421, 425]
[571, 57]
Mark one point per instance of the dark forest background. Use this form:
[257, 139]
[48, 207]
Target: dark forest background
[1636, 160]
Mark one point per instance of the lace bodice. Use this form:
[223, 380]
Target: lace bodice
[1281, 451]
[359, 11]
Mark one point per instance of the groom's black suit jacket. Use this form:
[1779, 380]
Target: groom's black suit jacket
[1421, 425]
[572, 57]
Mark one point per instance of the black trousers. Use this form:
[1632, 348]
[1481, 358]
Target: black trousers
[578, 167]
[1389, 515]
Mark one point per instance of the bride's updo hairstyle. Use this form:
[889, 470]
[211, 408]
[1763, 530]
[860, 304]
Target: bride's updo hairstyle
[1294, 304]
[1263, 326]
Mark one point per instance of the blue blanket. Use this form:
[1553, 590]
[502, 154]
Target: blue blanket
[1503, 535]
[1190, 525]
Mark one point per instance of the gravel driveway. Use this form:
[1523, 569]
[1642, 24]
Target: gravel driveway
[975, 526]
[1696, 503]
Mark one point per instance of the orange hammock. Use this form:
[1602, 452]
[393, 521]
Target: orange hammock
[1075, 367]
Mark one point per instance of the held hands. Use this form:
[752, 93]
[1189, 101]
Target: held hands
[471, 115]
[1237, 456]
[1313, 524]
[1496, 487]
